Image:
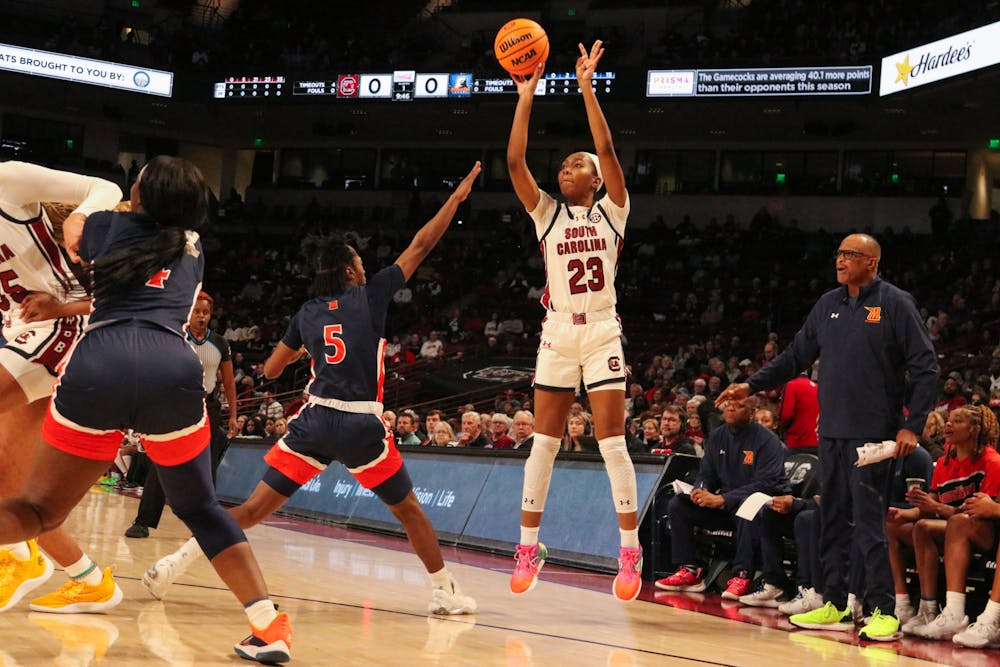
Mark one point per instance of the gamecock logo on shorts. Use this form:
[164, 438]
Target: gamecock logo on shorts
[23, 338]
[615, 363]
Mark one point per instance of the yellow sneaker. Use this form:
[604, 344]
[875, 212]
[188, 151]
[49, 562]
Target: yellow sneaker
[75, 597]
[84, 638]
[20, 577]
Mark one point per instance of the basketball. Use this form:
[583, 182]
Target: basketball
[520, 45]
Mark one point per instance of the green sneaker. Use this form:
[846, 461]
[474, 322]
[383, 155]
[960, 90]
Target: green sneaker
[827, 617]
[882, 628]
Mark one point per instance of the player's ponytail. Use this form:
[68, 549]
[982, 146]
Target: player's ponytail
[328, 258]
[174, 198]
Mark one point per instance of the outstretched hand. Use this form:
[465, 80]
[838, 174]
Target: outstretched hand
[465, 187]
[527, 85]
[586, 64]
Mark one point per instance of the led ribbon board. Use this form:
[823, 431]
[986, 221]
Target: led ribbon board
[85, 70]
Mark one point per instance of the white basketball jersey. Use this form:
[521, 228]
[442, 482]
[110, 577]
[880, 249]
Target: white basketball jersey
[581, 248]
[30, 258]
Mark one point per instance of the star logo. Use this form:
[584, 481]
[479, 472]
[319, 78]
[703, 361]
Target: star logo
[903, 70]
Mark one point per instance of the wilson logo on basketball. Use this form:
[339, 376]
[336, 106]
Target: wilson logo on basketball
[874, 314]
[508, 44]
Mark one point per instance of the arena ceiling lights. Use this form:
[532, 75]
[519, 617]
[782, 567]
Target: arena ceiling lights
[943, 59]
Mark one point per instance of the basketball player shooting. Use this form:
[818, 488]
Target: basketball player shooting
[581, 240]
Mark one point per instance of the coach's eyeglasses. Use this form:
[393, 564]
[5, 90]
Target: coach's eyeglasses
[850, 254]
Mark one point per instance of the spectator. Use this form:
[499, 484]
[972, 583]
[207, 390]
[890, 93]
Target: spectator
[432, 348]
[431, 421]
[672, 438]
[970, 466]
[694, 432]
[270, 407]
[472, 431]
[741, 458]
[443, 436]
[577, 437]
[932, 437]
[799, 414]
[951, 396]
[499, 427]
[280, 427]
[634, 391]
[406, 430]
[524, 429]
[765, 417]
[651, 435]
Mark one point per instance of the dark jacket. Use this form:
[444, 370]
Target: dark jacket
[741, 463]
[866, 349]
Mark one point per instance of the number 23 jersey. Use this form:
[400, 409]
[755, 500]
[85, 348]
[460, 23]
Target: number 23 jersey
[581, 248]
[344, 334]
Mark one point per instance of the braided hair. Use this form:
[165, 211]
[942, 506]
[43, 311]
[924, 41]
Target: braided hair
[981, 417]
[328, 256]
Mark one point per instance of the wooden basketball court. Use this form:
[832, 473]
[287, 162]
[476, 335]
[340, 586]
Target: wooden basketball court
[360, 599]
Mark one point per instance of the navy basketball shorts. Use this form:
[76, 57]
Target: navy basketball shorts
[318, 435]
[136, 376]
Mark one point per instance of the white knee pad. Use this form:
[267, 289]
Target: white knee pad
[538, 472]
[621, 473]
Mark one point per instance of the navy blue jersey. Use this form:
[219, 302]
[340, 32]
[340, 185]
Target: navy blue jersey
[166, 298]
[344, 334]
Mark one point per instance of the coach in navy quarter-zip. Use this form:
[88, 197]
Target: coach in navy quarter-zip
[871, 341]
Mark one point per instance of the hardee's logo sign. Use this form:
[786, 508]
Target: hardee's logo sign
[874, 314]
[930, 61]
[943, 59]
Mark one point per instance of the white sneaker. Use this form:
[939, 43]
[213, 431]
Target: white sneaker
[979, 635]
[162, 573]
[447, 602]
[945, 626]
[904, 612]
[806, 600]
[919, 620]
[765, 597]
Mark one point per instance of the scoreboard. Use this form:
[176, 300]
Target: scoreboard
[402, 86]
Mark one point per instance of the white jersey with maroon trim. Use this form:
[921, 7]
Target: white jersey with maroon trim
[581, 248]
[30, 258]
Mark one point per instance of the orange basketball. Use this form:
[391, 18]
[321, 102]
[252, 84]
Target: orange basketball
[520, 45]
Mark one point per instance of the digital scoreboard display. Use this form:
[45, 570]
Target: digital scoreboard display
[250, 87]
[404, 86]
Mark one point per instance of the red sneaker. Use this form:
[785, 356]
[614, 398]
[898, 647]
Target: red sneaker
[683, 580]
[736, 588]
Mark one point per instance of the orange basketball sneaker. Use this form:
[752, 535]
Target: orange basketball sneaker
[528, 562]
[272, 644]
[628, 581]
